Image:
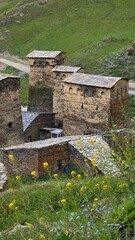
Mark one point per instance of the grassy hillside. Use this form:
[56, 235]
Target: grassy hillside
[89, 30]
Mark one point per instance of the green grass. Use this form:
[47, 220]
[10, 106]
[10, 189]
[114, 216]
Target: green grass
[71, 206]
[81, 28]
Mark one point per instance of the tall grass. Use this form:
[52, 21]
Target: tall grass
[71, 205]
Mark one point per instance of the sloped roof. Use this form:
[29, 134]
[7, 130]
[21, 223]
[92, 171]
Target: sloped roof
[5, 76]
[43, 54]
[60, 68]
[92, 80]
[28, 118]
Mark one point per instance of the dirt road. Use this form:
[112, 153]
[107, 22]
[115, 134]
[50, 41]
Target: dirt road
[16, 64]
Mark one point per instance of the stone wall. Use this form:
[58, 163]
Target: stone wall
[30, 156]
[11, 131]
[59, 153]
[85, 107]
[58, 96]
[119, 104]
[41, 82]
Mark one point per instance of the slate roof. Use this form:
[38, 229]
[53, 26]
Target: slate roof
[60, 68]
[28, 118]
[92, 80]
[43, 54]
[5, 76]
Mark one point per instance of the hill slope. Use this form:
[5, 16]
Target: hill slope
[89, 31]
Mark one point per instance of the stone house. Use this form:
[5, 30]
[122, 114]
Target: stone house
[41, 79]
[62, 154]
[60, 73]
[35, 124]
[11, 130]
[93, 103]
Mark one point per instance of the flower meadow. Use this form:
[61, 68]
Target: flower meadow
[72, 205]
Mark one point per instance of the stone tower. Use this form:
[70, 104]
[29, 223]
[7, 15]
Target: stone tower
[41, 80]
[11, 130]
[93, 103]
[60, 73]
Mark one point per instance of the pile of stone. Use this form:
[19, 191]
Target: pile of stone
[3, 176]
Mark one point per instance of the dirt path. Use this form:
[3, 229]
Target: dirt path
[15, 64]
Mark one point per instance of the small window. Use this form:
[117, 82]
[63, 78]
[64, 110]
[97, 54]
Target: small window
[82, 107]
[70, 90]
[102, 94]
[14, 84]
[86, 93]
[94, 93]
[10, 124]
[40, 63]
[78, 91]
[47, 63]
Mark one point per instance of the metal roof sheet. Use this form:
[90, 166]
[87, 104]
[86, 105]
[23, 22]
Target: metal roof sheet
[60, 68]
[56, 131]
[43, 54]
[5, 76]
[92, 80]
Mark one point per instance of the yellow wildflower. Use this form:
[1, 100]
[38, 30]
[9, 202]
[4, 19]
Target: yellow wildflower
[63, 201]
[93, 162]
[41, 236]
[68, 184]
[105, 187]
[97, 185]
[10, 156]
[29, 225]
[92, 209]
[45, 164]
[85, 160]
[82, 189]
[78, 141]
[73, 173]
[114, 138]
[79, 176]
[91, 140]
[18, 178]
[33, 173]
[55, 175]
[96, 199]
[11, 204]
[41, 219]
[107, 178]
[86, 174]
